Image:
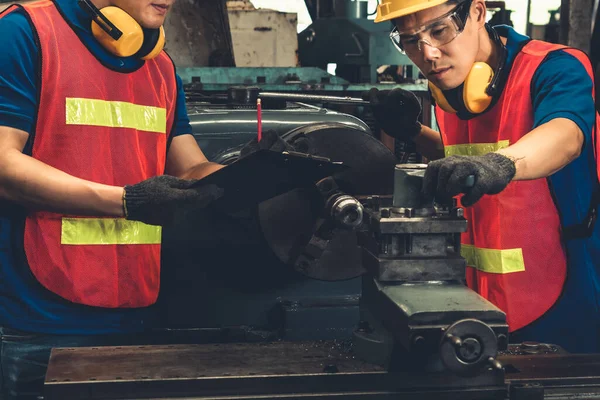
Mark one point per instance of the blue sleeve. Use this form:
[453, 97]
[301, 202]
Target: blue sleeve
[182, 121]
[562, 88]
[19, 71]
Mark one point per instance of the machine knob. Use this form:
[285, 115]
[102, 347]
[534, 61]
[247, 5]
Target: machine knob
[346, 211]
[495, 364]
[468, 347]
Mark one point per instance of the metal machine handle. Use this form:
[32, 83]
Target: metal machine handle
[309, 98]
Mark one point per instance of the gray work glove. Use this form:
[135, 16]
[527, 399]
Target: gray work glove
[447, 177]
[156, 200]
[396, 111]
[270, 141]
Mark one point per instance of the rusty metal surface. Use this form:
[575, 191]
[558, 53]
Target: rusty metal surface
[277, 370]
[195, 361]
[293, 370]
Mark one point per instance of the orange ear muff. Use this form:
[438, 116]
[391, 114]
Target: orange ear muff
[156, 43]
[132, 36]
[475, 95]
[440, 99]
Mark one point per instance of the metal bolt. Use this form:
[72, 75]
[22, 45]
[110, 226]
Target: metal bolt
[419, 342]
[502, 341]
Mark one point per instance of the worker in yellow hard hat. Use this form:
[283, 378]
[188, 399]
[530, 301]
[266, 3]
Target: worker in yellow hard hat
[517, 114]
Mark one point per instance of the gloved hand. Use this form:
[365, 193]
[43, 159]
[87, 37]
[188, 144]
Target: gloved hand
[446, 178]
[155, 200]
[270, 141]
[396, 111]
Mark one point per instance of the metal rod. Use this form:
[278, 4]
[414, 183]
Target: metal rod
[313, 98]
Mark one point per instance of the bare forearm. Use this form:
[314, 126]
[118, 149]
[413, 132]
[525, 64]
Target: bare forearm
[29, 182]
[429, 143]
[546, 149]
[201, 170]
[186, 160]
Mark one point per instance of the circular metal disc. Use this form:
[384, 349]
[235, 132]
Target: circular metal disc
[469, 329]
[289, 221]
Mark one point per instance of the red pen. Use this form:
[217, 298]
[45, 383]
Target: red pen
[259, 116]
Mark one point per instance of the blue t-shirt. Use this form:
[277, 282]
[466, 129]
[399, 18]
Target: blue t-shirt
[24, 303]
[561, 88]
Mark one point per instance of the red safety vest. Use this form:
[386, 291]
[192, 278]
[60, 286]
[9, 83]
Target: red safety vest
[107, 127]
[513, 245]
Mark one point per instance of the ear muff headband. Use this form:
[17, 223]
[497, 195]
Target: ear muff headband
[481, 86]
[121, 35]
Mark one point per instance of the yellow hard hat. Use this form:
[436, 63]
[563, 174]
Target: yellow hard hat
[392, 9]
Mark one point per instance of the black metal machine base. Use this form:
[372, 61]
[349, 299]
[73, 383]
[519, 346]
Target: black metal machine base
[306, 370]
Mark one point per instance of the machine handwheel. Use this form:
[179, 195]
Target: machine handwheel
[469, 346]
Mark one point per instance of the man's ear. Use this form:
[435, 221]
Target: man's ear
[479, 13]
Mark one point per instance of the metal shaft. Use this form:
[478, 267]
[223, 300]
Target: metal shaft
[309, 98]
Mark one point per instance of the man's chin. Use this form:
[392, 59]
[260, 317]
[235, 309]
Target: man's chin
[153, 23]
[445, 85]
[151, 26]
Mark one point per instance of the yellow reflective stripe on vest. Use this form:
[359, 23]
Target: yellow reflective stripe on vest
[107, 231]
[475, 149]
[115, 114]
[494, 261]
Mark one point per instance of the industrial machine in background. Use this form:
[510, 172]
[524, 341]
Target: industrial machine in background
[342, 34]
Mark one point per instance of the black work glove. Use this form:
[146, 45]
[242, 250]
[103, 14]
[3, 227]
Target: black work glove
[155, 200]
[270, 141]
[396, 112]
[447, 177]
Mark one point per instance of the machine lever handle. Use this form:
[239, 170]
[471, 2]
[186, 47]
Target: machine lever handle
[495, 364]
[455, 341]
[312, 98]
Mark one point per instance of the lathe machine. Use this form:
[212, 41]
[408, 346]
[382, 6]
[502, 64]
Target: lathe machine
[413, 330]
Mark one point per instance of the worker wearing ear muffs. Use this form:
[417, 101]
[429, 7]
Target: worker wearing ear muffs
[518, 115]
[96, 153]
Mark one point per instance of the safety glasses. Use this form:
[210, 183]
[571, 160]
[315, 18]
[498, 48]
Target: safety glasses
[436, 33]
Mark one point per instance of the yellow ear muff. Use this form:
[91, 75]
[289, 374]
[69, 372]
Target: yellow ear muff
[132, 39]
[440, 99]
[475, 95]
[158, 47]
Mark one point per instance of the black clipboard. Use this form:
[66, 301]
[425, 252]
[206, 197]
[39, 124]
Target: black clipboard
[265, 174]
